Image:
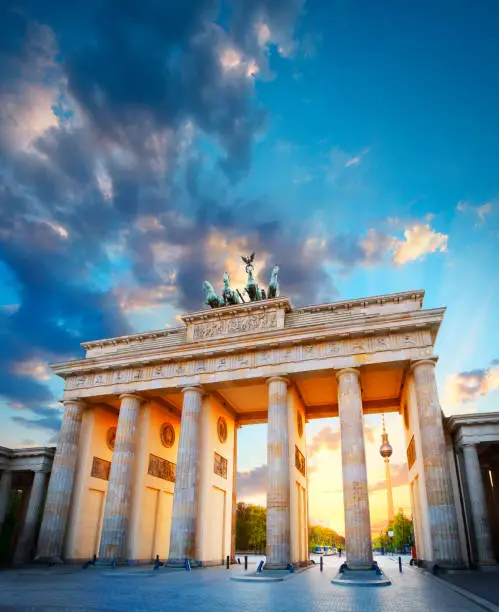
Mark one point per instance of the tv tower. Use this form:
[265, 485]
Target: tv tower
[385, 450]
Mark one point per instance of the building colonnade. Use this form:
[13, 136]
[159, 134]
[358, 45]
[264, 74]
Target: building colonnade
[186, 500]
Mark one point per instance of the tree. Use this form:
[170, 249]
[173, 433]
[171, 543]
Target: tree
[403, 534]
[251, 527]
[323, 536]
[402, 530]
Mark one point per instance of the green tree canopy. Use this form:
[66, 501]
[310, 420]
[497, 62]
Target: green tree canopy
[403, 534]
[323, 536]
[251, 525]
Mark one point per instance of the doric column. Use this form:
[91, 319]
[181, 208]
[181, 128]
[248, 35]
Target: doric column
[278, 487]
[5, 489]
[441, 508]
[28, 531]
[185, 497]
[119, 490]
[353, 456]
[56, 511]
[234, 499]
[478, 505]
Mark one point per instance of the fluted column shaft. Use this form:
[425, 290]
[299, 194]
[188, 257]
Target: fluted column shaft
[56, 511]
[28, 531]
[278, 487]
[5, 489]
[478, 505]
[441, 508]
[186, 495]
[353, 456]
[119, 490]
[389, 492]
[234, 499]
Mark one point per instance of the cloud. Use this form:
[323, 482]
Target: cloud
[101, 166]
[33, 368]
[253, 482]
[481, 210]
[327, 438]
[419, 240]
[355, 161]
[468, 386]
[47, 419]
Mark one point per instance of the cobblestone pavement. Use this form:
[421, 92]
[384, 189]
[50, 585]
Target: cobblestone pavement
[71, 588]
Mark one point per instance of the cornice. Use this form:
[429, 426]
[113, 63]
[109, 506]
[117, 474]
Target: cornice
[237, 309]
[159, 333]
[376, 324]
[417, 294]
[456, 421]
[276, 303]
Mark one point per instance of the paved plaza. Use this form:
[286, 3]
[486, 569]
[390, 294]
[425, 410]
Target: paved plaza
[71, 588]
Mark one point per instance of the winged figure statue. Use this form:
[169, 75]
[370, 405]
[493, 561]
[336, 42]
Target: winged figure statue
[248, 260]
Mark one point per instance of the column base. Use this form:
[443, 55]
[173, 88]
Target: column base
[48, 560]
[441, 564]
[368, 577]
[487, 565]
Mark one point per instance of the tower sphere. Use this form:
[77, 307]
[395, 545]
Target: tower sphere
[385, 450]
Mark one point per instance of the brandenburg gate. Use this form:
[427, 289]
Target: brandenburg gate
[146, 460]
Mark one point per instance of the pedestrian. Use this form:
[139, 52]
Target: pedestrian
[339, 551]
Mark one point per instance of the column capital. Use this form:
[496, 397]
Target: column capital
[132, 396]
[463, 445]
[355, 371]
[196, 388]
[276, 379]
[79, 401]
[432, 361]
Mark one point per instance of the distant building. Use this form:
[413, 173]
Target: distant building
[475, 458]
[23, 486]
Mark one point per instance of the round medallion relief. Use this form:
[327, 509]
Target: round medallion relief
[111, 438]
[299, 423]
[167, 435]
[222, 429]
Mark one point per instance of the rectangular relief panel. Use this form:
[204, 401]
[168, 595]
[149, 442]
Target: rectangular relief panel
[161, 468]
[220, 465]
[299, 461]
[100, 468]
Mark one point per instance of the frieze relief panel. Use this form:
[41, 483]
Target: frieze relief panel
[360, 347]
[220, 465]
[238, 325]
[300, 462]
[161, 468]
[100, 468]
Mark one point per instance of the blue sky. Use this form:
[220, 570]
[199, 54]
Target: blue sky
[144, 146]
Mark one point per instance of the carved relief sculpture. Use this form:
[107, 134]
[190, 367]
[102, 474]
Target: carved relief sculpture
[222, 429]
[111, 438]
[100, 468]
[167, 435]
[299, 461]
[161, 468]
[220, 465]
